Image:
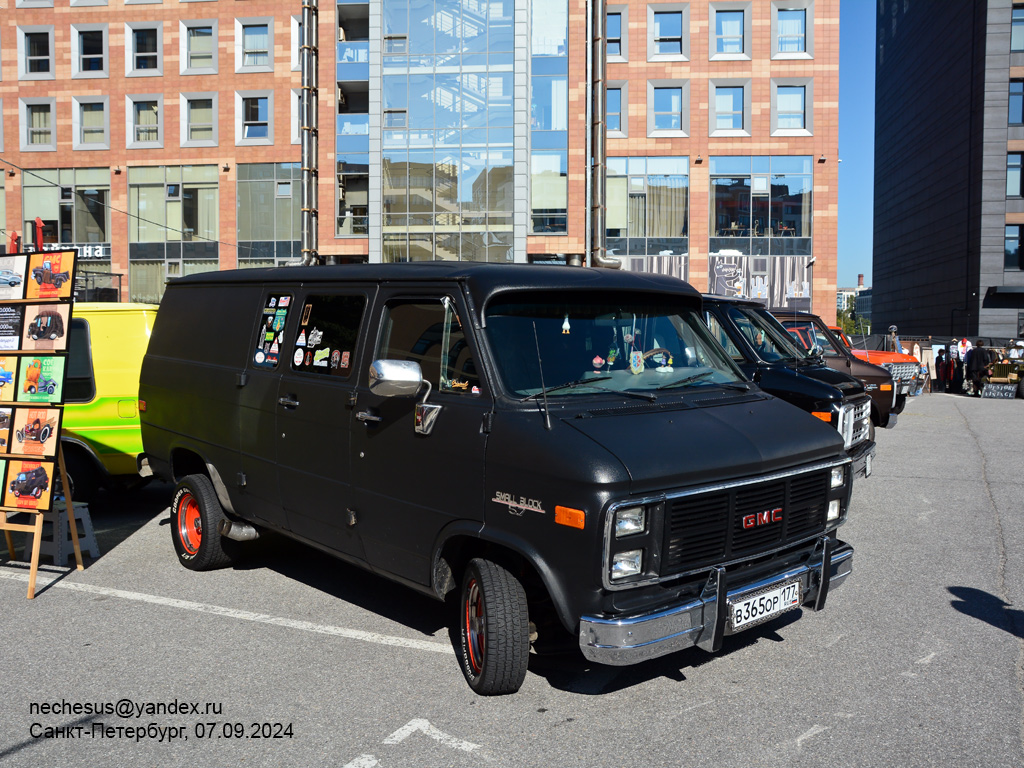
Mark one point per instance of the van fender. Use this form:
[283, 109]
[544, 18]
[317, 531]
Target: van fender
[212, 472]
[490, 539]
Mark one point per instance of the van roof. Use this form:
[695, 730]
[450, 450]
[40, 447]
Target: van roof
[483, 279]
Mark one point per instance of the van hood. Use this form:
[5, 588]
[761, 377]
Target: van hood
[667, 449]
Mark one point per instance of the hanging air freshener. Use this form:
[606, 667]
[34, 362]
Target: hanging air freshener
[565, 325]
[636, 362]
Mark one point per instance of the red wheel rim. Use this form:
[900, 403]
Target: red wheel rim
[190, 524]
[474, 608]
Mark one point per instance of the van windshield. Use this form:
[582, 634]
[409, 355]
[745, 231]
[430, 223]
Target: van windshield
[580, 344]
[763, 332]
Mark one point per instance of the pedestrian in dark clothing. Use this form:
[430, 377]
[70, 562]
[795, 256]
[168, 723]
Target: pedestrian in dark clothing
[941, 371]
[956, 369]
[978, 366]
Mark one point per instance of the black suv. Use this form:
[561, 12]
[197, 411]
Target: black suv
[764, 351]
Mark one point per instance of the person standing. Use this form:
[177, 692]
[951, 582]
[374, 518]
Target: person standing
[978, 366]
[941, 371]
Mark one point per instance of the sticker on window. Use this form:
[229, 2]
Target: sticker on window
[270, 335]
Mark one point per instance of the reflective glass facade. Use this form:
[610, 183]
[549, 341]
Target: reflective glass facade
[447, 157]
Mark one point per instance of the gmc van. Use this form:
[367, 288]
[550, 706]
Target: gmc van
[568, 451]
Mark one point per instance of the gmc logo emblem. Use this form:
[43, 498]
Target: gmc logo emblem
[763, 518]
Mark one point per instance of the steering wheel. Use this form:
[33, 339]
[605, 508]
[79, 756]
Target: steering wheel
[656, 350]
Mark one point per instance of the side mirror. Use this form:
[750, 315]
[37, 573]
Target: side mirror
[395, 378]
[817, 351]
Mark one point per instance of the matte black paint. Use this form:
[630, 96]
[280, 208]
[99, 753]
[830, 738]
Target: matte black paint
[414, 495]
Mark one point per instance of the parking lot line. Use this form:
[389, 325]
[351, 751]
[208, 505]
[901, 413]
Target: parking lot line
[233, 613]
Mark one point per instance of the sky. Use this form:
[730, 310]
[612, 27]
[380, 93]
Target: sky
[856, 139]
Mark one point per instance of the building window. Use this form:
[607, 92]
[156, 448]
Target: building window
[199, 49]
[1016, 116]
[1013, 175]
[198, 119]
[614, 32]
[90, 122]
[614, 110]
[172, 227]
[298, 40]
[145, 53]
[74, 213]
[668, 108]
[647, 210]
[1017, 30]
[789, 101]
[549, 192]
[668, 33]
[729, 32]
[39, 126]
[90, 57]
[144, 126]
[145, 121]
[729, 108]
[792, 30]
[35, 53]
[1011, 248]
[254, 123]
[144, 49]
[254, 118]
[256, 45]
[269, 219]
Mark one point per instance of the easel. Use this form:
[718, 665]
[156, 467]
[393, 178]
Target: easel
[37, 528]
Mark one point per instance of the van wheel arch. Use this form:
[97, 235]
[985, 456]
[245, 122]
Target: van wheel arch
[545, 609]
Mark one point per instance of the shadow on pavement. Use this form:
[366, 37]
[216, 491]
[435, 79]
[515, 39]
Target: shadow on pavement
[115, 516]
[988, 608]
[339, 579]
[573, 673]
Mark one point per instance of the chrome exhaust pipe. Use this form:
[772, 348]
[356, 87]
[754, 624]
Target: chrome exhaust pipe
[237, 531]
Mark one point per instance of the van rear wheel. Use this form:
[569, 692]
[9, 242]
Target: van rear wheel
[195, 525]
[494, 634]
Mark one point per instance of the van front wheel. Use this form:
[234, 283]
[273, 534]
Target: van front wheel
[195, 525]
[494, 633]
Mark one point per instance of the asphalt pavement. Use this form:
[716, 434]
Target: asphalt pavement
[296, 659]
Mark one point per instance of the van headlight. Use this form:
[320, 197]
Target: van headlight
[629, 520]
[627, 563]
[838, 478]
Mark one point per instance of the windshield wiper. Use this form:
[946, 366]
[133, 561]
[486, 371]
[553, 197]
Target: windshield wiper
[589, 382]
[703, 375]
[567, 385]
[688, 380]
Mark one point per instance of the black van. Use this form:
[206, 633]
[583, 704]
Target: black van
[567, 450]
[765, 352]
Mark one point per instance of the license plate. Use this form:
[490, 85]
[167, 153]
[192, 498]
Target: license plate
[904, 390]
[867, 466]
[764, 605]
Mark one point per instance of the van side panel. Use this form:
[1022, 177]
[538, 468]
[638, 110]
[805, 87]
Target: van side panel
[190, 377]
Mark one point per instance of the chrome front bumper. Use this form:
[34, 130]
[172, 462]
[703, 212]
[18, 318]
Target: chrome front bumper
[702, 621]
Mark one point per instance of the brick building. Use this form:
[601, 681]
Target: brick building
[164, 137]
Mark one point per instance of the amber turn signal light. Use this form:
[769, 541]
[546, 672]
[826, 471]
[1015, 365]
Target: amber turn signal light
[574, 518]
[823, 415]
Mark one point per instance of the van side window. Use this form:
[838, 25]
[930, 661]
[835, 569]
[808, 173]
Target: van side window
[325, 342]
[270, 334]
[80, 386]
[722, 337]
[431, 334]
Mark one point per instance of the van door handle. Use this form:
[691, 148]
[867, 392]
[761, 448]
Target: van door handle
[367, 416]
[288, 402]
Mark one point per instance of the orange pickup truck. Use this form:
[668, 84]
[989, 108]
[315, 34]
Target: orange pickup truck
[905, 369]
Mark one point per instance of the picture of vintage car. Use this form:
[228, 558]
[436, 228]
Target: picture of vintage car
[6, 377]
[31, 483]
[46, 325]
[45, 384]
[45, 276]
[37, 429]
[32, 376]
[10, 277]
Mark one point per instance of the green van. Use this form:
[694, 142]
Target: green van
[100, 434]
